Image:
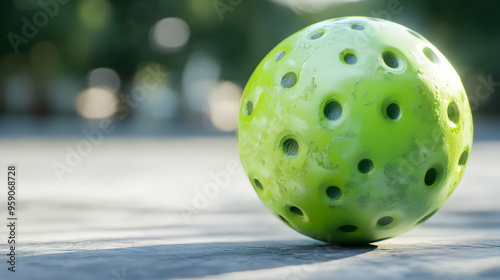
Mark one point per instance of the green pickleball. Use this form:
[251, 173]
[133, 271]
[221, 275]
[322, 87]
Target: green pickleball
[354, 130]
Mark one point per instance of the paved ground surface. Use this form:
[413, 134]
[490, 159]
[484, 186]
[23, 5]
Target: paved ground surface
[116, 216]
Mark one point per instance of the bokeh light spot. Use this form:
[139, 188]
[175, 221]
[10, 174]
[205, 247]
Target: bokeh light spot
[170, 34]
[44, 59]
[224, 104]
[97, 103]
[104, 77]
[94, 14]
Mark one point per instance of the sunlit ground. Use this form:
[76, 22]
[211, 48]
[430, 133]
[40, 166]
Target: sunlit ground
[163, 208]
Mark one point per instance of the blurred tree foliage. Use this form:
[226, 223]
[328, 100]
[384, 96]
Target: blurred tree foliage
[86, 34]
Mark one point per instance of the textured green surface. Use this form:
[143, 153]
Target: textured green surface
[354, 130]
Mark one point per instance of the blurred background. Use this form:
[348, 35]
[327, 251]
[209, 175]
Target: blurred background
[160, 67]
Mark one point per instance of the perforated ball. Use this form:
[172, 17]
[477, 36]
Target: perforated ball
[354, 130]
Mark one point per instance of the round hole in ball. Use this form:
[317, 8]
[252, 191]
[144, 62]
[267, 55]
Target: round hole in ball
[428, 216]
[290, 147]
[393, 111]
[390, 59]
[357, 26]
[384, 221]
[258, 184]
[332, 110]
[453, 113]
[283, 219]
[350, 58]
[289, 80]
[296, 211]
[318, 34]
[431, 176]
[431, 55]
[348, 228]
[280, 55]
[249, 108]
[415, 34]
[463, 158]
[365, 166]
[334, 193]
